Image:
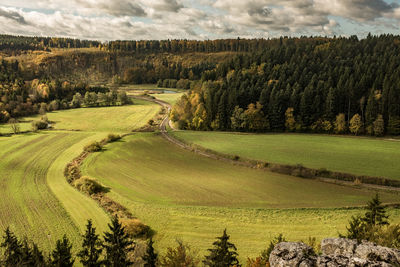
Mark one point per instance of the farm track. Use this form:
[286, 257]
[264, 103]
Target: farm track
[204, 153]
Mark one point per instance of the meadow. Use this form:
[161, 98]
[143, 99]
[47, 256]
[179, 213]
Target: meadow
[177, 192]
[182, 195]
[355, 155]
[169, 98]
[36, 199]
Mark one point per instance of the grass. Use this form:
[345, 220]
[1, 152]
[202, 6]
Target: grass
[119, 119]
[169, 98]
[36, 199]
[180, 194]
[23, 127]
[27, 204]
[356, 155]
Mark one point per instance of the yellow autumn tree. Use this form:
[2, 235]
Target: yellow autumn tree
[356, 124]
[340, 124]
[290, 122]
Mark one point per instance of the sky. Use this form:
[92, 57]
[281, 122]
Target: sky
[202, 19]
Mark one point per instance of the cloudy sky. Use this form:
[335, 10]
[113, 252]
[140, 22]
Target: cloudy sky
[197, 19]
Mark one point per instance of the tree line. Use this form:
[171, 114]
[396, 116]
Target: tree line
[341, 85]
[22, 98]
[11, 43]
[117, 248]
[15, 44]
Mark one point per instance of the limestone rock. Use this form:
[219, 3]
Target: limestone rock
[286, 254]
[336, 252]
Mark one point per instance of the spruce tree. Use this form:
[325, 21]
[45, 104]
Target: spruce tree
[12, 248]
[150, 258]
[117, 245]
[376, 214]
[91, 247]
[61, 255]
[223, 254]
[37, 256]
[26, 254]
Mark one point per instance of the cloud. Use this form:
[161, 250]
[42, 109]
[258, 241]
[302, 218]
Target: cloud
[358, 10]
[166, 5]
[194, 19]
[116, 8]
[12, 15]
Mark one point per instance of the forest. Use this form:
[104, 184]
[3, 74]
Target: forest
[22, 98]
[307, 84]
[338, 85]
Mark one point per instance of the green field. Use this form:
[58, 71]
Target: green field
[356, 155]
[169, 98]
[36, 199]
[183, 195]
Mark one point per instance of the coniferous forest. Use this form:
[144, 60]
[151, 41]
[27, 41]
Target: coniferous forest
[336, 85]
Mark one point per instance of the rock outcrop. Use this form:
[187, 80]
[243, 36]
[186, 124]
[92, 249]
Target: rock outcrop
[335, 252]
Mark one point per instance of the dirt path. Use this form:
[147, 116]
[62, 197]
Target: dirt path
[174, 140]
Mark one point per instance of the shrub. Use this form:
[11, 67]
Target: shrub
[182, 255]
[113, 138]
[265, 254]
[72, 172]
[136, 229]
[14, 126]
[89, 185]
[93, 147]
[39, 125]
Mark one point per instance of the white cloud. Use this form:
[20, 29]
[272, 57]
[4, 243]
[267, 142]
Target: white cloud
[160, 19]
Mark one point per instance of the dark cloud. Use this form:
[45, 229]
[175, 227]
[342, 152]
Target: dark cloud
[167, 5]
[117, 8]
[12, 15]
[360, 10]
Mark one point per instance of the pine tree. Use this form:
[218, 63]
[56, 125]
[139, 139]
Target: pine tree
[376, 214]
[27, 255]
[117, 245]
[150, 258]
[12, 249]
[61, 255]
[37, 256]
[223, 254]
[91, 247]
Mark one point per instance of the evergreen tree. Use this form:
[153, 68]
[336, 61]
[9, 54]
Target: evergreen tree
[27, 255]
[62, 255]
[379, 126]
[223, 254]
[376, 214]
[91, 247]
[150, 258]
[37, 256]
[117, 245]
[12, 248]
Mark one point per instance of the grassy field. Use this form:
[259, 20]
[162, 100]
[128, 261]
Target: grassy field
[169, 98]
[356, 155]
[119, 119]
[36, 199]
[183, 195]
